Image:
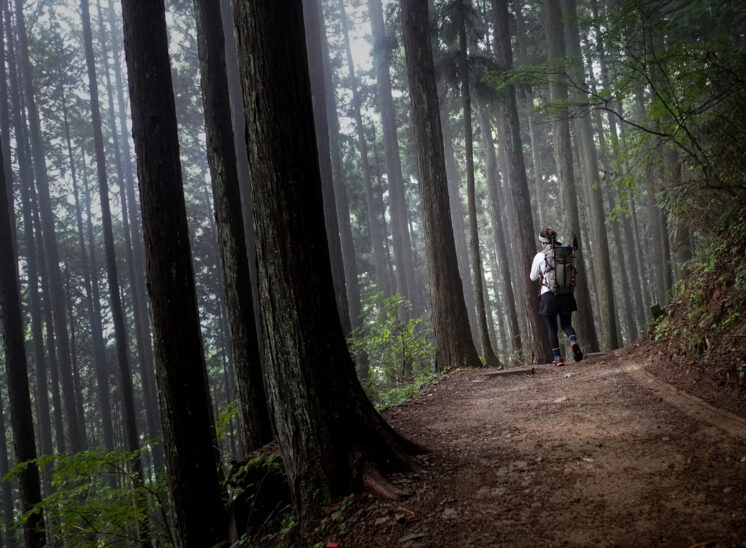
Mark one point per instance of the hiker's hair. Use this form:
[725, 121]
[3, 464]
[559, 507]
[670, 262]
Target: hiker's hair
[548, 233]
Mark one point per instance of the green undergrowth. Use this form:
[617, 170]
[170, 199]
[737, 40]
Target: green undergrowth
[704, 326]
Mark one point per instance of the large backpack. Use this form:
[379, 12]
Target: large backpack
[559, 275]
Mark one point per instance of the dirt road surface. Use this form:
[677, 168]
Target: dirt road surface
[598, 453]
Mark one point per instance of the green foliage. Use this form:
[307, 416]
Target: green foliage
[400, 351]
[223, 423]
[98, 499]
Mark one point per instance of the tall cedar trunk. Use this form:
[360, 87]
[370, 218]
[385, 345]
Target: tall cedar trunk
[94, 308]
[16, 370]
[509, 135]
[75, 429]
[405, 270]
[25, 172]
[453, 342]
[457, 214]
[221, 156]
[147, 367]
[102, 369]
[327, 428]
[563, 154]
[593, 192]
[476, 257]
[142, 334]
[5, 135]
[239, 139]
[526, 96]
[313, 17]
[340, 194]
[189, 434]
[120, 335]
[59, 428]
[376, 237]
[503, 271]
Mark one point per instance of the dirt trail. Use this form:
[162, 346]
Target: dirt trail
[598, 453]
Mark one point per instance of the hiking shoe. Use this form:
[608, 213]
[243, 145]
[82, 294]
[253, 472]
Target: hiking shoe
[577, 354]
[558, 361]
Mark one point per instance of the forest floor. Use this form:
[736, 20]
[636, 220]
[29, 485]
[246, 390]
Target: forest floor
[597, 453]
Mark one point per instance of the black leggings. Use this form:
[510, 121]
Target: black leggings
[565, 323]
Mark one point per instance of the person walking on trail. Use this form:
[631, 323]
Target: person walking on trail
[554, 265]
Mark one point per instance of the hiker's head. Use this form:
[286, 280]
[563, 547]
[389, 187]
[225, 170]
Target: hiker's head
[546, 236]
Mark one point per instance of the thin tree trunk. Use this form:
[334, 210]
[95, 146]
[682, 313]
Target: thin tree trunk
[313, 17]
[221, 156]
[21, 416]
[75, 429]
[594, 197]
[476, 257]
[498, 232]
[6, 486]
[376, 238]
[147, 366]
[94, 312]
[568, 198]
[189, 434]
[509, 137]
[132, 442]
[25, 171]
[340, 194]
[406, 282]
[453, 341]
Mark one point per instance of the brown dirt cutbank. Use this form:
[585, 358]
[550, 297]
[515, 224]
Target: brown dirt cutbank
[598, 453]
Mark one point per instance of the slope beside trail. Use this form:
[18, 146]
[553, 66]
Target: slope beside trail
[598, 453]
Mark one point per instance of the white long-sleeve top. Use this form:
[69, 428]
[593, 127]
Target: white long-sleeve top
[538, 269]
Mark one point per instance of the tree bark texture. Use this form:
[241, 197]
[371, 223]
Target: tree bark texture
[453, 341]
[189, 434]
[498, 232]
[221, 156]
[327, 428]
[535, 348]
[21, 416]
[476, 257]
[314, 18]
[565, 172]
[592, 185]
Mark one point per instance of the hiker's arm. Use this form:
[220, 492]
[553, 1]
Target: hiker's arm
[535, 273]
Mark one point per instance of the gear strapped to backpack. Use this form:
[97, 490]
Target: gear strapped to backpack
[559, 273]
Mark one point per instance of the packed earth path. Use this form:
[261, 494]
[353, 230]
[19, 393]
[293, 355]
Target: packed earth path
[597, 453]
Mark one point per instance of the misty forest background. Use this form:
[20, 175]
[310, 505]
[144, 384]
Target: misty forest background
[616, 121]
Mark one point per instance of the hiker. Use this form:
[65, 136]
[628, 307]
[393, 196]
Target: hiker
[554, 265]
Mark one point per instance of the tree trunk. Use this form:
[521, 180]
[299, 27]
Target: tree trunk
[563, 157]
[476, 257]
[132, 442]
[498, 231]
[6, 486]
[509, 135]
[25, 171]
[313, 17]
[327, 429]
[340, 192]
[376, 237]
[21, 416]
[593, 192]
[189, 434]
[406, 282]
[221, 155]
[453, 342]
[75, 429]
[147, 367]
